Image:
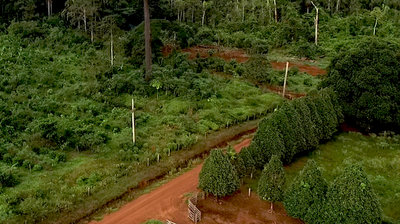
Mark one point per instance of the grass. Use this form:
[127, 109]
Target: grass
[63, 95]
[379, 155]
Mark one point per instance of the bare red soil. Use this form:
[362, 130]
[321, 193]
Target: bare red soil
[312, 70]
[240, 56]
[240, 208]
[203, 52]
[169, 202]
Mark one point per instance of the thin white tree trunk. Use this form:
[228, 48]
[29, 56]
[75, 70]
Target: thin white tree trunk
[376, 23]
[84, 19]
[133, 122]
[276, 12]
[316, 24]
[202, 19]
[337, 6]
[243, 13]
[112, 49]
[48, 8]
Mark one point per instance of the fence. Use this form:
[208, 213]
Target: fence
[194, 213]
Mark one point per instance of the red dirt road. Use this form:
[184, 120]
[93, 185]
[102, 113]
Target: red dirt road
[166, 202]
[203, 52]
[169, 202]
[312, 70]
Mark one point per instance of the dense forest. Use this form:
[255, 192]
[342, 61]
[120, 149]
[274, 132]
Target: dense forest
[69, 71]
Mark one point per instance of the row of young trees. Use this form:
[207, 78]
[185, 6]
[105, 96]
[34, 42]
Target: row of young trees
[349, 199]
[296, 127]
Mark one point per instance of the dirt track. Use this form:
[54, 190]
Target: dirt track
[169, 202]
[166, 202]
[312, 70]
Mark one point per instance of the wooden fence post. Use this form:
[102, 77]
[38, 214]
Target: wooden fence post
[284, 83]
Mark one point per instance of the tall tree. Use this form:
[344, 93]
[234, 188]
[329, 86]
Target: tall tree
[218, 176]
[272, 181]
[351, 199]
[306, 194]
[147, 39]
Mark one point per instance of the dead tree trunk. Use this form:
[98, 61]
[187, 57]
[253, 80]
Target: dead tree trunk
[112, 49]
[337, 6]
[147, 38]
[316, 24]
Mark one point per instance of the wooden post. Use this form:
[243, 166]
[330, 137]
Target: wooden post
[133, 121]
[284, 83]
[148, 162]
[316, 24]
[249, 192]
[158, 157]
[169, 152]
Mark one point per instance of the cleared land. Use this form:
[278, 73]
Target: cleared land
[169, 202]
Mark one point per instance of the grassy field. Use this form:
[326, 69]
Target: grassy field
[379, 155]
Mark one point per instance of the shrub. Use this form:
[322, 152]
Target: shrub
[292, 129]
[306, 194]
[366, 79]
[7, 179]
[351, 199]
[218, 176]
[272, 181]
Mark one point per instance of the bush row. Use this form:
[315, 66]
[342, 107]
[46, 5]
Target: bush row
[349, 199]
[296, 127]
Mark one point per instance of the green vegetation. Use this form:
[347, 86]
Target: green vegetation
[66, 119]
[366, 79]
[379, 156]
[306, 194]
[218, 176]
[69, 70]
[351, 199]
[290, 130]
[272, 181]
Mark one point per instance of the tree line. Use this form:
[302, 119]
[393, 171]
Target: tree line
[298, 126]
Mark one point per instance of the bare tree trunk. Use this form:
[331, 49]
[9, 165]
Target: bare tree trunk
[376, 23]
[276, 12]
[48, 8]
[316, 24]
[243, 13]
[202, 19]
[51, 7]
[112, 48]
[84, 19]
[337, 6]
[329, 6]
[147, 37]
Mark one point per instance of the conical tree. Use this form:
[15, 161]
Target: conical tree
[247, 157]
[272, 181]
[306, 194]
[267, 141]
[351, 199]
[218, 176]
